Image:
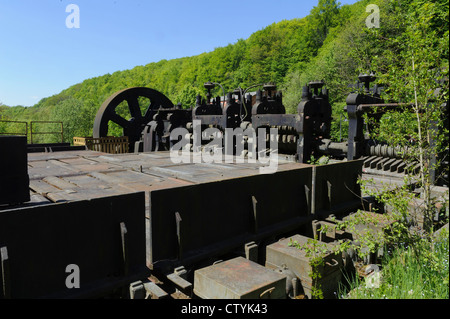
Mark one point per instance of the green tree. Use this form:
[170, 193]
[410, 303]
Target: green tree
[415, 68]
[76, 117]
[323, 17]
[187, 96]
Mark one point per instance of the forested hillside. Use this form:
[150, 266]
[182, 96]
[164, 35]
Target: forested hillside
[332, 43]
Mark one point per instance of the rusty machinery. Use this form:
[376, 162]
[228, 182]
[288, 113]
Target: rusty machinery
[176, 229]
[379, 156]
[40, 239]
[90, 218]
[299, 135]
[160, 116]
[85, 211]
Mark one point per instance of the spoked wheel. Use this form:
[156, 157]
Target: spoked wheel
[134, 126]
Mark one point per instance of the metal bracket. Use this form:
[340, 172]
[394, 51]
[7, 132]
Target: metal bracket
[251, 251]
[178, 221]
[6, 280]
[150, 134]
[137, 290]
[315, 226]
[146, 290]
[177, 278]
[124, 241]
[155, 291]
[313, 190]
[330, 193]
[308, 197]
[255, 215]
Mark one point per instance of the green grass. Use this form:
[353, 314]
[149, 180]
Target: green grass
[415, 272]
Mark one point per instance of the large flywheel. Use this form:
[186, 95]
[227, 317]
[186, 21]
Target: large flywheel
[138, 119]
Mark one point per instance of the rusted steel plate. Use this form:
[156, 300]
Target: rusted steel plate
[86, 182]
[77, 161]
[380, 183]
[226, 213]
[61, 155]
[59, 183]
[336, 187]
[298, 259]
[41, 187]
[288, 165]
[190, 172]
[41, 169]
[239, 278]
[65, 188]
[41, 241]
[125, 176]
[77, 177]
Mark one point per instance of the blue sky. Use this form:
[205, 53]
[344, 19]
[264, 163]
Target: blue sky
[40, 56]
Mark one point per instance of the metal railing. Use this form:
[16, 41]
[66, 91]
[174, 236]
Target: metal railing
[61, 131]
[15, 133]
[31, 133]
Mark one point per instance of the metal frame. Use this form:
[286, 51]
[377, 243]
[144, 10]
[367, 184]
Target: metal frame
[51, 132]
[15, 133]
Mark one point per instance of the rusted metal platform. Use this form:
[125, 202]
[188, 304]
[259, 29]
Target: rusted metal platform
[178, 214]
[204, 195]
[80, 175]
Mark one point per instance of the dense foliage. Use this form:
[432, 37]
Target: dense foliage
[331, 43]
[407, 274]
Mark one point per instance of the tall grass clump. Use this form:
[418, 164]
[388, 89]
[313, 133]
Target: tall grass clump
[410, 272]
